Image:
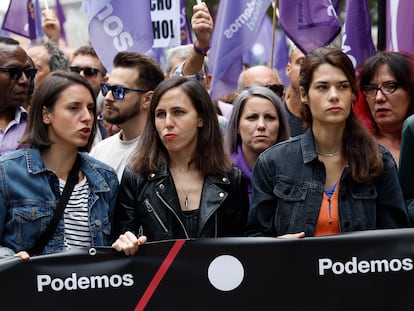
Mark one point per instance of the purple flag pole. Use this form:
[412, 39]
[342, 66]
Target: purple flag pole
[309, 24]
[114, 27]
[357, 39]
[236, 29]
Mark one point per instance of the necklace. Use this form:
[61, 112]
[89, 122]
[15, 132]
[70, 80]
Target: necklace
[329, 155]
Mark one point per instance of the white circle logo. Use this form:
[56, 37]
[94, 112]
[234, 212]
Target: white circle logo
[226, 273]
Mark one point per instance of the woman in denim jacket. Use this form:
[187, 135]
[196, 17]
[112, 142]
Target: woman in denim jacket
[61, 127]
[334, 178]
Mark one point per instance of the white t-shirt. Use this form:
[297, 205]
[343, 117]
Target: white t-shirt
[115, 152]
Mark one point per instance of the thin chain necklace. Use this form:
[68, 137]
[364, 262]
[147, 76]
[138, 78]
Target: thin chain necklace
[329, 155]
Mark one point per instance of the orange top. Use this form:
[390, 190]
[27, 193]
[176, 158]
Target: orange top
[328, 220]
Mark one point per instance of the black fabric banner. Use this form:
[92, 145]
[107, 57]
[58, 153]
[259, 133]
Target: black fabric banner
[371, 270]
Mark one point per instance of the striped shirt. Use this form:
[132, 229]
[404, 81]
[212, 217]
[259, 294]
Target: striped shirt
[76, 216]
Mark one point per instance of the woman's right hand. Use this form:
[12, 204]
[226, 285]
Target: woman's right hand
[129, 243]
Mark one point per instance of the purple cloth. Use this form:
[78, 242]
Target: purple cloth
[309, 24]
[236, 28]
[357, 39]
[118, 25]
[400, 25]
[9, 139]
[62, 19]
[185, 25]
[240, 162]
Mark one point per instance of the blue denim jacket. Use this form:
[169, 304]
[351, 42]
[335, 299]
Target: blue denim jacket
[28, 197]
[288, 183]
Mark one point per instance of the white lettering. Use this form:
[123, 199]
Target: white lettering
[74, 282]
[355, 266]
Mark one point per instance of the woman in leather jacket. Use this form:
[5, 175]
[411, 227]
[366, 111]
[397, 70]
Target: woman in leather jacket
[180, 183]
[334, 178]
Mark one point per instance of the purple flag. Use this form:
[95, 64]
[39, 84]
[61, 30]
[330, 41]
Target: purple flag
[236, 29]
[259, 52]
[357, 39]
[281, 57]
[309, 24]
[184, 25]
[16, 19]
[400, 25]
[62, 19]
[114, 26]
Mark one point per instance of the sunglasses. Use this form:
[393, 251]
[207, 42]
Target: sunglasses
[15, 72]
[118, 91]
[276, 88]
[87, 71]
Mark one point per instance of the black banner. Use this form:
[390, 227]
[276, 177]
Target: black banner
[371, 270]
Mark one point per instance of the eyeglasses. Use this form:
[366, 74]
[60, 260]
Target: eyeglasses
[371, 90]
[15, 72]
[118, 91]
[276, 88]
[87, 71]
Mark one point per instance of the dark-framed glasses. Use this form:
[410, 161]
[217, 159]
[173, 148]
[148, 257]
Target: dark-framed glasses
[87, 71]
[371, 90]
[276, 88]
[118, 91]
[16, 72]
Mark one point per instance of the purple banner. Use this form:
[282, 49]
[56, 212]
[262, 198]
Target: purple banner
[236, 29]
[400, 25]
[309, 24]
[357, 39]
[118, 25]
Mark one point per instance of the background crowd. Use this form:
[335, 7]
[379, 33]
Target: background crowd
[143, 153]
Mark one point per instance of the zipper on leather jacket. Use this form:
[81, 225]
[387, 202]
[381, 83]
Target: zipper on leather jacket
[175, 214]
[150, 209]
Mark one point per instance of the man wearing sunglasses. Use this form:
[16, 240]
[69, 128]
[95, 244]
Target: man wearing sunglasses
[86, 62]
[16, 75]
[127, 96]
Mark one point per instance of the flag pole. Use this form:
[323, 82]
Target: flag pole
[274, 4]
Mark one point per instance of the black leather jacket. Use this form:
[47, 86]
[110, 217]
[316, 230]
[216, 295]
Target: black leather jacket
[148, 205]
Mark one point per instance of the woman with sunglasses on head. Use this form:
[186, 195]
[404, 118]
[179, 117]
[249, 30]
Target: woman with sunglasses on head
[334, 178]
[387, 84]
[60, 131]
[258, 121]
[180, 183]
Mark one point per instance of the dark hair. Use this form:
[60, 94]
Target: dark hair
[233, 137]
[359, 146]
[210, 157]
[150, 72]
[46, 95]
[57, 59]
[90, 51]
[8, 41]
[401, 66]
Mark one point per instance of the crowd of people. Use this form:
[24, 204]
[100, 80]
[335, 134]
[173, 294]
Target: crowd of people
[97, 158]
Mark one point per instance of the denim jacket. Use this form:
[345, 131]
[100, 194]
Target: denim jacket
[28, 197]
[288, 183]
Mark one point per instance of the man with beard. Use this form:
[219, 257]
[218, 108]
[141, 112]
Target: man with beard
[16, 76]
[127, 97]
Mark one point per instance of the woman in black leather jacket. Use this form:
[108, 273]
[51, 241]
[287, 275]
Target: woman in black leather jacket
[180, 183]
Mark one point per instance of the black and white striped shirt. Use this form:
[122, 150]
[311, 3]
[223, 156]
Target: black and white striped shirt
[76, 216]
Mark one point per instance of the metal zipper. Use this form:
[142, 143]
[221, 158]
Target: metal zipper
[150, 209]
[175, 214]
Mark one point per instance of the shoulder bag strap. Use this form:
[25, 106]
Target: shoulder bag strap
[44, 238]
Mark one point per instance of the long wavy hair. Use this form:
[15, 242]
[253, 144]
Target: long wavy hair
[359, 146]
